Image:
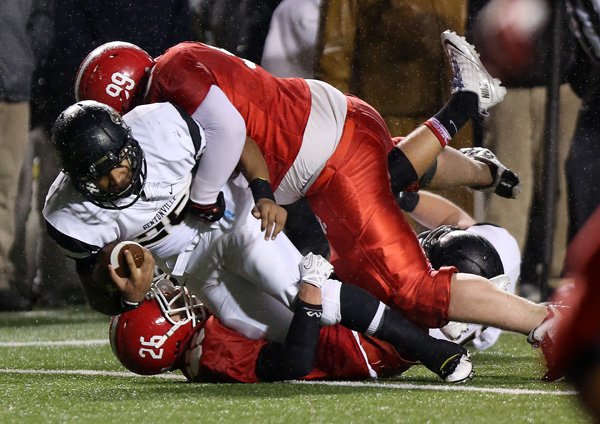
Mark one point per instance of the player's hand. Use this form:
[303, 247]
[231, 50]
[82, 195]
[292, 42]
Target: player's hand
[272, 217]
[135, 287]
[209, 213]
[315, 269]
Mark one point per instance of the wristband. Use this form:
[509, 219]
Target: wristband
[210, 213]
[128, 305]
[261, 189]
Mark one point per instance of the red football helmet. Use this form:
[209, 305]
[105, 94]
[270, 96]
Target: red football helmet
[115, 74]
[150, 339]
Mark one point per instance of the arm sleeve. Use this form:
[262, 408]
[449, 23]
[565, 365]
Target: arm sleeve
[296, 357]
[225, 133]
[408, 200]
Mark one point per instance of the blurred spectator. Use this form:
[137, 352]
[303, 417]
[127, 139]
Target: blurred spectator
[25, 35]
[237, 26]
[517, 48]
[81, 26]
[292, 38]
[390, 55]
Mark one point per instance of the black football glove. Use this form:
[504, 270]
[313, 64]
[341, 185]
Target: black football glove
[209, 213]
[506, 183]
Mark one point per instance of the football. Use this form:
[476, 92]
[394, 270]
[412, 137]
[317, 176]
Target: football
[114, 254]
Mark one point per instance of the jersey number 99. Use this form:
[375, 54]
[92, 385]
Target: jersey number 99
[119, 83]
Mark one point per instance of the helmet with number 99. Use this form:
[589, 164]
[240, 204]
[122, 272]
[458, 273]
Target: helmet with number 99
[114, 74]
[150, 339]
[92, 139]
[470, 253]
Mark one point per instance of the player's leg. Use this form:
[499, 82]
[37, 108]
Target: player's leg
[372, 244]
[270, 265]
[473, 90]
[475, 299]
[361, 312]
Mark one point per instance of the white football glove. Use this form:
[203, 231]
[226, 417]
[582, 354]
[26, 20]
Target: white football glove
[454, 330]
[315, 270]
[501, 281]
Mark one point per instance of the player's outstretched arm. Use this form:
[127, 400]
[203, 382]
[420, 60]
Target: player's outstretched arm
[431, 210]
[295, 358]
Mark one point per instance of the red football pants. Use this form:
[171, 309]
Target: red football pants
[373, 246]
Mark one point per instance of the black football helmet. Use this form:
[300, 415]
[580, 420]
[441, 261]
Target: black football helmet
[470, 253]
[91, 139]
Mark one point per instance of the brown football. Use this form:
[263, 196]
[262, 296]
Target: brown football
[114, 254]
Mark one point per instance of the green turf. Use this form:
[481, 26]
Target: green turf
[54, 396]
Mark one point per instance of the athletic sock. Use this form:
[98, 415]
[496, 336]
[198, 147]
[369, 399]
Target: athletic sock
[361, 312]
[414, 343]
[461, 107]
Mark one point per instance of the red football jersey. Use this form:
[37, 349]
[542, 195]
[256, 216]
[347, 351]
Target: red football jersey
[275, 109]
[218, 354]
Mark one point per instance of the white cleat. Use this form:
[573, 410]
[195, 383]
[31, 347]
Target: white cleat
[469, 74]
[460, 369]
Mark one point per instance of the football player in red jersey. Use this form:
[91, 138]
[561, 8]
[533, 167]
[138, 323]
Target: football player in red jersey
[171, 330]
[335, 150]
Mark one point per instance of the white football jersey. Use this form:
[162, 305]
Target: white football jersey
[171, 155]
[247, 281]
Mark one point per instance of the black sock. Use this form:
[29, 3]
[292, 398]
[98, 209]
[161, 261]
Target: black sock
[461, 107]
[414, 343]
[359, 309]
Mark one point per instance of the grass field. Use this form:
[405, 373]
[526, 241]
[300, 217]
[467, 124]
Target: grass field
[57, 367]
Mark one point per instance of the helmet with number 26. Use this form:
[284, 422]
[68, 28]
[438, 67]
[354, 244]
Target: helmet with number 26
[115, 74]
[150, 339]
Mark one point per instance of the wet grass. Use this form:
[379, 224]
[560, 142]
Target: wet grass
[42, 383]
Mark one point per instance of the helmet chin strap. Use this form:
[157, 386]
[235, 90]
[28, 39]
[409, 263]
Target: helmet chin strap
[171, 331]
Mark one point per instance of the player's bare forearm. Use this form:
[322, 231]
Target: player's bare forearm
[105, 290]
[433, 210]
[252, 162]
[471, 172]
[310, 294]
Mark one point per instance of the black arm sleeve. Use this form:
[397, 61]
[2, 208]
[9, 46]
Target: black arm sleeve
[402, 173]
[296, 357]
[408, 201]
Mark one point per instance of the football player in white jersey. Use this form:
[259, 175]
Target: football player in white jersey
[455, 238]
[129, 179]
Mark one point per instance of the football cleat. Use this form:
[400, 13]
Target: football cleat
[506, 183]
[469, 74]
[457, 369]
